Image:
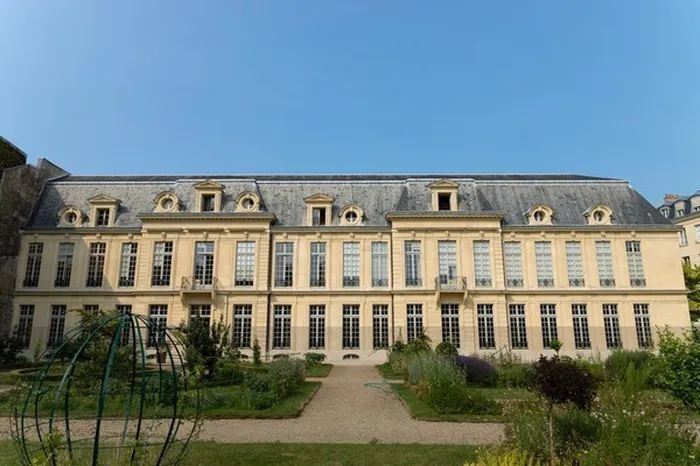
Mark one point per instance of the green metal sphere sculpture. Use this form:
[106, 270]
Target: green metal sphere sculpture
[117, 390]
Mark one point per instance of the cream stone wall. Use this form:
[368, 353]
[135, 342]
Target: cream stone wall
[664, 290]
[691, 250]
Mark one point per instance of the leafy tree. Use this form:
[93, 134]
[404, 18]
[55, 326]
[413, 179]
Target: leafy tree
[680, 362]
[205, 344]
[691, 274]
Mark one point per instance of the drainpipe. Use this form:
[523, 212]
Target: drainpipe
[269, 293]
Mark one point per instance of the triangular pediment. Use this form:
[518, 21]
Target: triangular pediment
[443, 184]
[319, 198]
[103, 199]
[209, 184]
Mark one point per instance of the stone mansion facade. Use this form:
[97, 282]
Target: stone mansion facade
[347, 264]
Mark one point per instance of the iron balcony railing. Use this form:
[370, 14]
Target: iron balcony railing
[198, 283]
[444, 282]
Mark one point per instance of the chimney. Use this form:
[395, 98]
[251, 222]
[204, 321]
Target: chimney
[670, 197]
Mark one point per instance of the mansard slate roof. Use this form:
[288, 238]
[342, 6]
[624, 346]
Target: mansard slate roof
[569, 196]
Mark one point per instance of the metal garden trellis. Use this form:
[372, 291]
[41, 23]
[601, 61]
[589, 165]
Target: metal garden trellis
[98, 399]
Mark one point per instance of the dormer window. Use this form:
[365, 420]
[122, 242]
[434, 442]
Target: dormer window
[318, 216]
[104, 210]
[70, 216]
[209, 195]
[599, 215]
[319, 208]
[444, 195]
[444, 201]
[664, 212]
[540, 215]
[680, 213]
[351, 215]
[208, 202]
[167, 202]
[102, 218]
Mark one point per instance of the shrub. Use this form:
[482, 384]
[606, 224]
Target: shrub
[446, 349]
[509, 457]
[256, 352]
[617, 363]
[477, 371]
[561, 380]
[680, 366]
[516, 375]
[10, 348]
[313, 359]
[420, 344]
[227, 374]
[205, 344]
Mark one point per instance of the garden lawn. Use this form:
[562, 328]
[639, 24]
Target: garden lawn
[424, 412]
[226, 402]
[387, 372]
[318, 370]
[208, 453]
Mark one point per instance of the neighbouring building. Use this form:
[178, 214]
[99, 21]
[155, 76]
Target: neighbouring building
[684, 212]
[347, 264]
[20, 185]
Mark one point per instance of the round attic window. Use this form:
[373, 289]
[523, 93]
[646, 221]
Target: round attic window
[248, 203]
[70, 218]
[539, 216]
[598, 216]
[167, 204]
[351, 217]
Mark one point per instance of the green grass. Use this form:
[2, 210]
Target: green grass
[226, 402]
[386, 372]
[318, 370]
[209, 453]
[424, 412]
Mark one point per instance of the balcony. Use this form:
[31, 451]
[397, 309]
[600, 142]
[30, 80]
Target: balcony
[445, 284]
[198, 286]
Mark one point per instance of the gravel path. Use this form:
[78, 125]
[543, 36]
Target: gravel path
[344, 410]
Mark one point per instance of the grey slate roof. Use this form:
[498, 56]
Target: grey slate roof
[568, 195]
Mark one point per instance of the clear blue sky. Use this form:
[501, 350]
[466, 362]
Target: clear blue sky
[607, 88]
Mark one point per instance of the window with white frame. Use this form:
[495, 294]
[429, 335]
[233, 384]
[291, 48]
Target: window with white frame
[91, 308]
[685, 260]
[317, 326]
[447, 264]
[642, 324]
[318, 265]
[412, 255]
[548, 317]
[201, 312]
[635, 264]
[380, 264]
[351, 326]
[25, 324]
[680, 212]
[102, 217]
[245, 263]
[518, 327]
[31, 275]
[242, 318]
[204, 263]
[485, 328]
[514, 263]
[611, 322]
[606, 275]
[126, 330]
[683, 237]
[574, 264]
[582, 337]
[318, 216]
[380, 326]
[127, 265]
[351, 264]
[284, 264]
[414, 321]
[282, 326]
[482, 263]
[450, 323]
[697, 233]
[543, 264]
[64, 264]
[57, 324]
[158, 315]
[162, 263]
[96, 264]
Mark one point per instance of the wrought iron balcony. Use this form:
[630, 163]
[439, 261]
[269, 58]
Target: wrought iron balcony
[638, 282]
[198, 285]
[445, 283]
[607, 282]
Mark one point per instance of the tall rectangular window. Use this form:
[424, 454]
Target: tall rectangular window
[414, 321]
[162, 263]
[317, 326]
[91, 308]
[127, 267]
[318, 265]
[412, 255]
[208, 202]
[25, 324]
[96, 264]
[447, 264]
[482, 263]
[487, 334]
[245, 263]
[683, 238]
[242, 316]
[64, 264]
[204, 263]
[318, 216]
[605, 263]
[543, 264]
[201, 312]
[31, 275]
[380, 326]
[282, 326]
[158, 315]
[611, 322]
[514, 263]
[582, 337]
[697, 233]
[635, 264]
[102, 218]
[450, 323]
[380, 264]
[125, 335]
[642, 324]
[351, 264]
[284, 264]
[574, 264]
[57, 325]
[518, 327]
[548, 317]
[351, 326]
